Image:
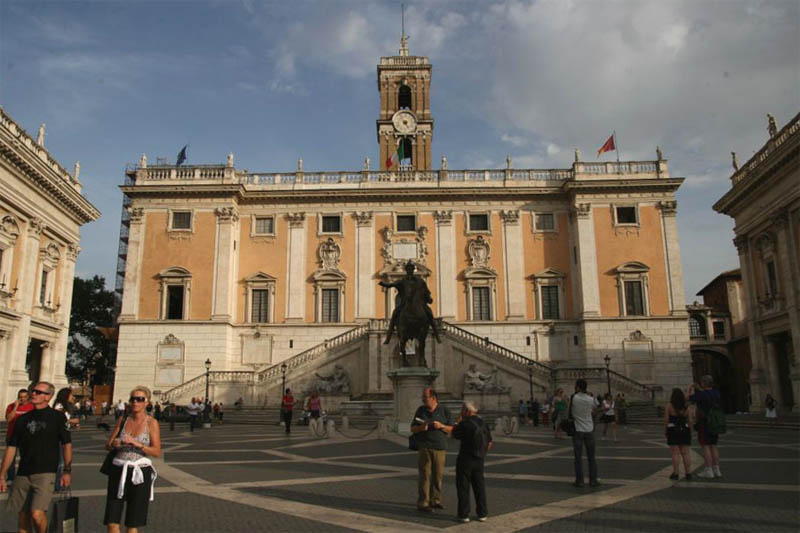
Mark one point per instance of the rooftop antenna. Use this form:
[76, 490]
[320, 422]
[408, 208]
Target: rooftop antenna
[403, 36]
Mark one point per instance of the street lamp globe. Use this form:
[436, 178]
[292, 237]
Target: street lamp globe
[208, 364]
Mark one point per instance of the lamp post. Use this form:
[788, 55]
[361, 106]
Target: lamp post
[607, 359]
[283, 391]
[205, 403]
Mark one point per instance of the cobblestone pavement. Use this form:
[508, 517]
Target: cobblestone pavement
[254, 478]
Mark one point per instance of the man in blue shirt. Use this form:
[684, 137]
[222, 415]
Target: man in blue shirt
[431, 426]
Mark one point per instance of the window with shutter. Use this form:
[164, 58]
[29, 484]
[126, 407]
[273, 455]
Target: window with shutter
[549, 302]
[259, 312]
[634, 303]
[481, 307]
[330, 305]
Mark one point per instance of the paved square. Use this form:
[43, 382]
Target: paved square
[255, 478]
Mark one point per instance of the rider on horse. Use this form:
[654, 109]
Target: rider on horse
[406, 289]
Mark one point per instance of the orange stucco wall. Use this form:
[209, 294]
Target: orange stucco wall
[614, 248]
[546, 250]
[262, 254]
[463, 262]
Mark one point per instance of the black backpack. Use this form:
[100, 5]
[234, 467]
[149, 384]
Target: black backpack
[481, 439]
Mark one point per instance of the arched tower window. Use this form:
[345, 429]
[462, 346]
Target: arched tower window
[404, 97]
[407, 151]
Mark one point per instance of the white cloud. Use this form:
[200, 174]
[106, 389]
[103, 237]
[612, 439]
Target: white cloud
[514, 140]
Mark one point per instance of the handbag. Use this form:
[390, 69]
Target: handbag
[108, 462]
[412, 442]
[568, 425]
[63, 515]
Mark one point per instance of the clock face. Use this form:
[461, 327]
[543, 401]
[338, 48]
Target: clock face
[404, 122]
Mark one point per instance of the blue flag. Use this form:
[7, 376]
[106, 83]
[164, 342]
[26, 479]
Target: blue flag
[181, 156]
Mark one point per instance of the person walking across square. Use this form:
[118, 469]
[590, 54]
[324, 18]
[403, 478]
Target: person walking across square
[287, 409]
[39, 435]
[431, 425]
[706, 398]
[476, 441]
[14, 410]
[581, 409]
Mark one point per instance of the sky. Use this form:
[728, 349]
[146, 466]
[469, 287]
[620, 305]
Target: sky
[276, 81]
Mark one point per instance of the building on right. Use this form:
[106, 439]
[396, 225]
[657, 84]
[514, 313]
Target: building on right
[764, 202]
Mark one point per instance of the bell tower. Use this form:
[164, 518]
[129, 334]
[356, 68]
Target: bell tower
[405, 126]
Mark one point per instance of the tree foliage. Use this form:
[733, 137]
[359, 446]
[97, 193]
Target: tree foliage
[88, 350]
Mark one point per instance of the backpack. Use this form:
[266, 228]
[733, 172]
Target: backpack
[715, 418]
[481, 439]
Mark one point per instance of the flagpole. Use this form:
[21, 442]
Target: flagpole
[616, 145]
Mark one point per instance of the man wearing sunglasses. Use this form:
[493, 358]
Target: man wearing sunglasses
[38, 436]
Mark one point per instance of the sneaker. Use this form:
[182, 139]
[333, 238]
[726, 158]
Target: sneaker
[706, 473]
[674, 476]
[482, 518]
[716, 471]
[464, 520]
[437, 505]
[688, 477]
[425, 509]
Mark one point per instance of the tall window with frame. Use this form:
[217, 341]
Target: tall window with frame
[175, 302]
[772, 279]
[330, 305]
[634, 299]
[549, 302]
[43, 287]
[545, 222]
[181, 220]
[259, 312]
[264, 225]
[481, 305]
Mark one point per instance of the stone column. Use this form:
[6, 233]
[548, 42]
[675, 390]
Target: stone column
[296, 271]
[446, 265]
[587, 261]
[513, 265]
[65, 303]
[133, 264]
[789, 274]
[224, 264]
[365, 266]
[672, 257]
[29, 271]
[758, 375]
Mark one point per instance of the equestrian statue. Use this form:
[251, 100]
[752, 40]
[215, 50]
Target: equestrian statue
[412, 316]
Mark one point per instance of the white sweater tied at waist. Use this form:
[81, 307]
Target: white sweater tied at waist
[137, 477]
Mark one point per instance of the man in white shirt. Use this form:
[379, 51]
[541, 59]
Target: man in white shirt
[581, 408]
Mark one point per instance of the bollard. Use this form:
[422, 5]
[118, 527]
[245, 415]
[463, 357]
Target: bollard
[514, 425]
[312, 427]
[382, 428]
[331, 429]
[345, 423]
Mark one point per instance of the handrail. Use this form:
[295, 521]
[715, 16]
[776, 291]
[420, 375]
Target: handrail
[600, 372]
[485, 343]
[215, 375]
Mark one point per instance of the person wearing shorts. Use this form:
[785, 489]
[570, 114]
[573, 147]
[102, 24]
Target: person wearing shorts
[704, 398]
[39, 435]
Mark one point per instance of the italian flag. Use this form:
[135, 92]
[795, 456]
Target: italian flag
[396, 157]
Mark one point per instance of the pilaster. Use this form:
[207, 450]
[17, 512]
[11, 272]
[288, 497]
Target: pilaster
[296, 268]
[446, 262]
[133, 263]
[672, 257]
[224, 263]
[758, 376]
[28, 272]
[365, 266]
[513, 265]
[587, 260]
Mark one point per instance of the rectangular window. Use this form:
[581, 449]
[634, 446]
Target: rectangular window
[265, 226]
[43, 288]
[481, 308]
[545, 222]
[479, 222]
[331, 224]
[626, 215]
[719, 329]
[330, 305]
[634, 302]
[406, 223]
[259, 309]
[174, 302]
[181, 220]
[549, 302]
[772, 279]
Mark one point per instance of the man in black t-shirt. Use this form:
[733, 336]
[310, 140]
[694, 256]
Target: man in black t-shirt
[431, 425]
[469, 464]
[38, 436]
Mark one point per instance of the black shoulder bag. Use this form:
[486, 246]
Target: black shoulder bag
[568, 425]
[108, 462]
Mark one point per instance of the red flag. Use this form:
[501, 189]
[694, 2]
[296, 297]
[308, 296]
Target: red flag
[608, 146]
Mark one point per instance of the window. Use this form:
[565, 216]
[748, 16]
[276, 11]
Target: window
[174, 302]
[260, 306]
[697, 326]
[43, 288]
[404, 97]
[550, 302]
[719, 329]
[481, 306]
[405, 162]
[634, 302]
[182, 220]
[479, 222]
[406, 223]
[330, 305]
[545, 222]
[331, 224]
[626, 215]
[264, 226]
[772, 279]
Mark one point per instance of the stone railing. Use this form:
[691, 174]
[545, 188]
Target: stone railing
[312, 353]
[482, 343]
[199, 382]
[600, 374]
[615, 167]
[777, 140]
[201, 172]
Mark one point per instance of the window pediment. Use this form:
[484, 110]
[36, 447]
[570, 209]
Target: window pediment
[329, 275]
[549, 273]
[632, 267]
[174, 272]
[259, 277]
[479, 273]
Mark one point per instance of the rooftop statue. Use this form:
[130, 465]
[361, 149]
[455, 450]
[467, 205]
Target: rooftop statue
[772, 128]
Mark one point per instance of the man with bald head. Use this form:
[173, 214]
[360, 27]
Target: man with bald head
[431, 425]
[476, 441]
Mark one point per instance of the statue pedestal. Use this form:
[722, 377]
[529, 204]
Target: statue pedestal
[489, 401]
[332, 402]
[409, 383]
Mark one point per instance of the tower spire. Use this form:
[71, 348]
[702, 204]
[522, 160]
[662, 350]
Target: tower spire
[403, 36]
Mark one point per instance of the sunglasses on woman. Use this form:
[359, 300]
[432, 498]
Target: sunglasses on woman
[138, 399]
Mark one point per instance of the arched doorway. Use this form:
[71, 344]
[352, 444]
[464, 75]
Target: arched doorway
[732, 389]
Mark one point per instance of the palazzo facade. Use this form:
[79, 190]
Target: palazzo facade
[249, 269]
[41, 212]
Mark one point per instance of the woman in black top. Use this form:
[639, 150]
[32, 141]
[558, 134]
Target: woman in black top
[677, 425]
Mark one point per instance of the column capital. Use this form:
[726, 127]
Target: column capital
[742, 244]
[73, 249]
[668, 208]
[296, 220]
[36, 226]
[443, 217]
[510, 216]
[780, 219]
[363, 218]
[136, 214]
[583, 210]
[226, 214]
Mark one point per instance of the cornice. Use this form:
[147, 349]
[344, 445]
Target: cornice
[600, 186]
